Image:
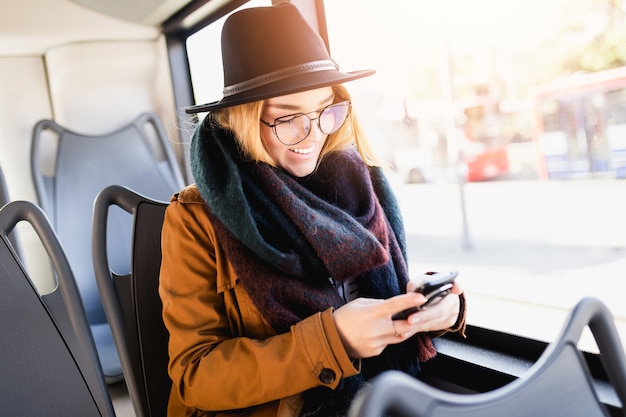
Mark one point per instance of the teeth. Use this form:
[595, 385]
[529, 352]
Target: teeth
[303, 151]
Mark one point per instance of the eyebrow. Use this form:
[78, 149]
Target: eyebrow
[294, 107]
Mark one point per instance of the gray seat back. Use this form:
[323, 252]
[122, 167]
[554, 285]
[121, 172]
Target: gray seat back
[70, 169]
[4, 192]
[131, 301]
[558, 384]
[4, 199]
[49, 363]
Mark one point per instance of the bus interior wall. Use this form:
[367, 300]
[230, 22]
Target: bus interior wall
[93, 87]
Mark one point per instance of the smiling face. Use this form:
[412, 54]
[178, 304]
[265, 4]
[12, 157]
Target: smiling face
[301, 159]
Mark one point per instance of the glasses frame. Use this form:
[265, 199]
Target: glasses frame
[347, 103]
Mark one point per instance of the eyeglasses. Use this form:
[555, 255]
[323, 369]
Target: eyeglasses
[294, 128]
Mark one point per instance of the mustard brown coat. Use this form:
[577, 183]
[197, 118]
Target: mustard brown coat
[211, 320]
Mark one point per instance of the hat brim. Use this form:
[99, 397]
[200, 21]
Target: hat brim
[295, 84]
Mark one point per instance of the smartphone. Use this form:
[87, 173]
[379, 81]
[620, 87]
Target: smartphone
[435, 287]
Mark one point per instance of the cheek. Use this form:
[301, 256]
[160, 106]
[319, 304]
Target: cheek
[270, 143]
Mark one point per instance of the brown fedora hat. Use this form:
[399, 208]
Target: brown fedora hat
[270, 52]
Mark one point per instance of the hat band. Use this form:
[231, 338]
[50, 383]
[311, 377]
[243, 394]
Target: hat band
[279, 75]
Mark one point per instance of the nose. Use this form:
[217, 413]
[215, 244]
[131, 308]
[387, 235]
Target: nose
[317, 130]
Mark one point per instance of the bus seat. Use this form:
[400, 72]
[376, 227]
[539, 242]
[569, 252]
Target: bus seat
[558, 384]
[49, 363]
[131, 302]
[4, 199]
[4, 192]
[69, 170]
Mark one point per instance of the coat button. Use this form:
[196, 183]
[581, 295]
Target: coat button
[327, 376]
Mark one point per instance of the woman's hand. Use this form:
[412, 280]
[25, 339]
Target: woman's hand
[439, 315]
[366, 328]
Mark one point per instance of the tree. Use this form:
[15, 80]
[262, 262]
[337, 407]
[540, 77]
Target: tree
[594, 38]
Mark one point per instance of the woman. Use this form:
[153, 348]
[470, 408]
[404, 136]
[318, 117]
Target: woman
[284, 264]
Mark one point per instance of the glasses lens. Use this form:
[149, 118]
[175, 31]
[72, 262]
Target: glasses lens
[292, 130]
[333, 117]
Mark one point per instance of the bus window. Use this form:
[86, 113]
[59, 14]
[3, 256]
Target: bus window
[524, 246]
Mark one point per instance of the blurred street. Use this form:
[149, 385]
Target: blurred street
[530, 249]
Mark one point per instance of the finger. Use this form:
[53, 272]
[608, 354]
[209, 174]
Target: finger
[414, 283]
[438, 316]
[401, 331]
[402, 302]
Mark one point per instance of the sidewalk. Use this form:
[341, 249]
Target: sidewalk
[535, 249]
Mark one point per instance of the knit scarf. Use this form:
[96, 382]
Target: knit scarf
[290, 239]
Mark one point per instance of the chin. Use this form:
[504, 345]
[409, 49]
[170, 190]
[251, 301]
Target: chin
[300, 171]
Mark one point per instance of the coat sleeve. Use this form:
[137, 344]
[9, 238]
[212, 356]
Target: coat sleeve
[213, 364]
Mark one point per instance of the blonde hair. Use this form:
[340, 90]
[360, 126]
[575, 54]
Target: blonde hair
[243, 121]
